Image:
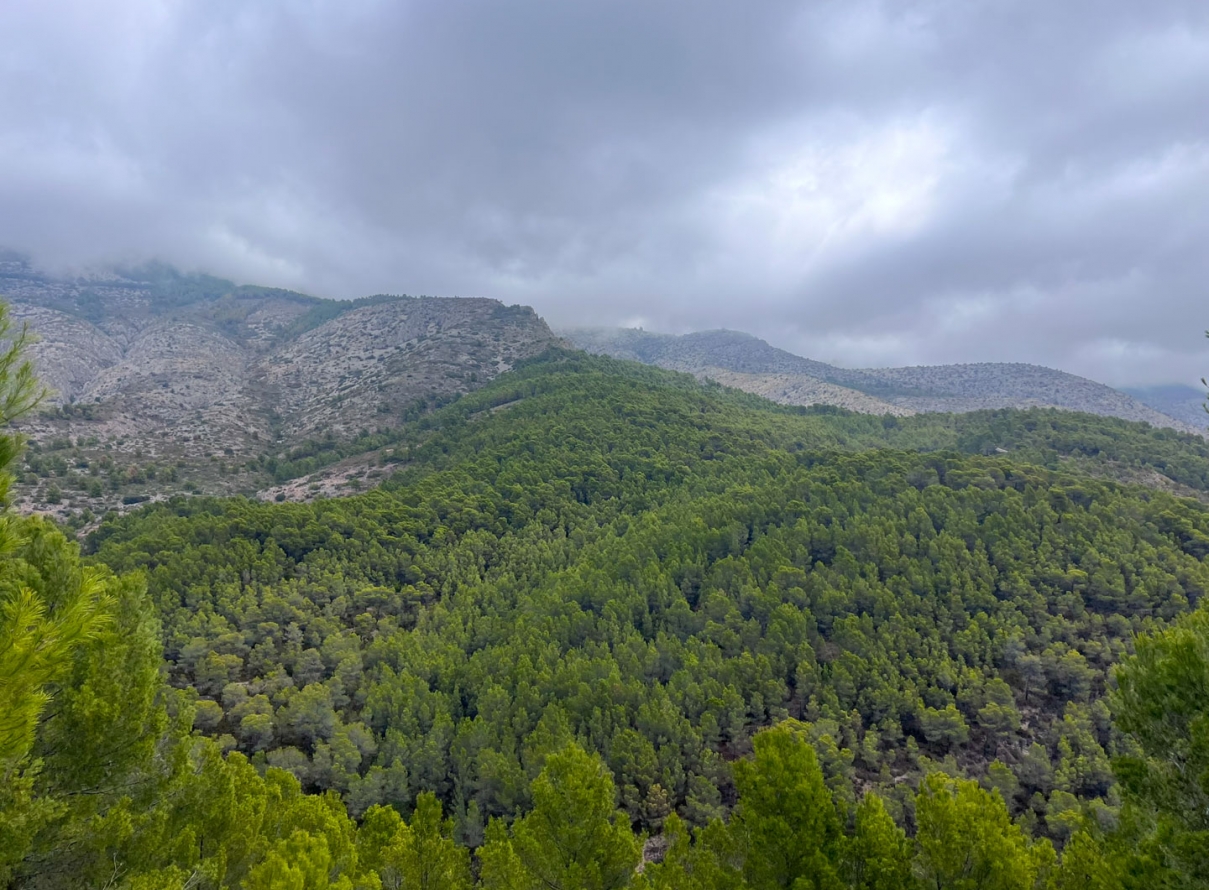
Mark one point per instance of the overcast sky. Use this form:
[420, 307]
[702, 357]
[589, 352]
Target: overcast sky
[860, 182]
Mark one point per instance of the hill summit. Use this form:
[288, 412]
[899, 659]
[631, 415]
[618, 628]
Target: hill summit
[154, 370]
[749, 363]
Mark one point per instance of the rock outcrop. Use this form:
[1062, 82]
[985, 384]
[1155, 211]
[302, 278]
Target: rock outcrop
[151, 369]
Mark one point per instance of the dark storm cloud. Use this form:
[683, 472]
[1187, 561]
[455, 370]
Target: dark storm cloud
[869, 183]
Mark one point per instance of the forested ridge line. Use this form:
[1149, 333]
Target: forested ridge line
[796, 648]
[559, 381]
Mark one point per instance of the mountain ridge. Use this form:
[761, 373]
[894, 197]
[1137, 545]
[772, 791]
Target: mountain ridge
[747, 362]
[173, 383]
[163, 374]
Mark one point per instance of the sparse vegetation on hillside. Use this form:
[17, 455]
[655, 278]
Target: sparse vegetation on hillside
[749, 363]
[153, 369]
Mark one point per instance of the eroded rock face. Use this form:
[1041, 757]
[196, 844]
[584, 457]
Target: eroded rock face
[227, 367]
[377, 359]
[69, 352]
[800, 389]
[156, 370]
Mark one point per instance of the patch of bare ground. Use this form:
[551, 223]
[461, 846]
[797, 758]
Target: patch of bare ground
[348, 477]
[799, 389]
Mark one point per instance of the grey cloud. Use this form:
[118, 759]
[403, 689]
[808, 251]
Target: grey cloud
[868, 183]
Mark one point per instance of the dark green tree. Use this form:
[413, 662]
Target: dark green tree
[877, 856]
[786, 826]
[966, 840]
[1162, 702]
[573, 839]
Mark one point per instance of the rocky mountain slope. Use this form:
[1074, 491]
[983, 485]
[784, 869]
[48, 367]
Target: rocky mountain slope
[163, 381]
[749, 363]
[166, 383]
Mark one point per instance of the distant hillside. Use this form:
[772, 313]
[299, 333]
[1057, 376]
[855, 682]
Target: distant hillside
[749, 363]
[1186, 403]
[973, 387]
[191, 380]
[730, 350]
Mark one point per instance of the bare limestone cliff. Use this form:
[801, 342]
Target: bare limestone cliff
[165, 382]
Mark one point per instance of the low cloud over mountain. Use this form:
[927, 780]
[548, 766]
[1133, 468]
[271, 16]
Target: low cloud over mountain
[868, 183]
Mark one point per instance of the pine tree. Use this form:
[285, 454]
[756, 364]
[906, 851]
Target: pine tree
[49, 609]
[878, 855]
[573, 839]
[1162, 701]
[422, 855]
[967, 841]
[786, 824]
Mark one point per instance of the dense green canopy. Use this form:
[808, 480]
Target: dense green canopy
[800, 648]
